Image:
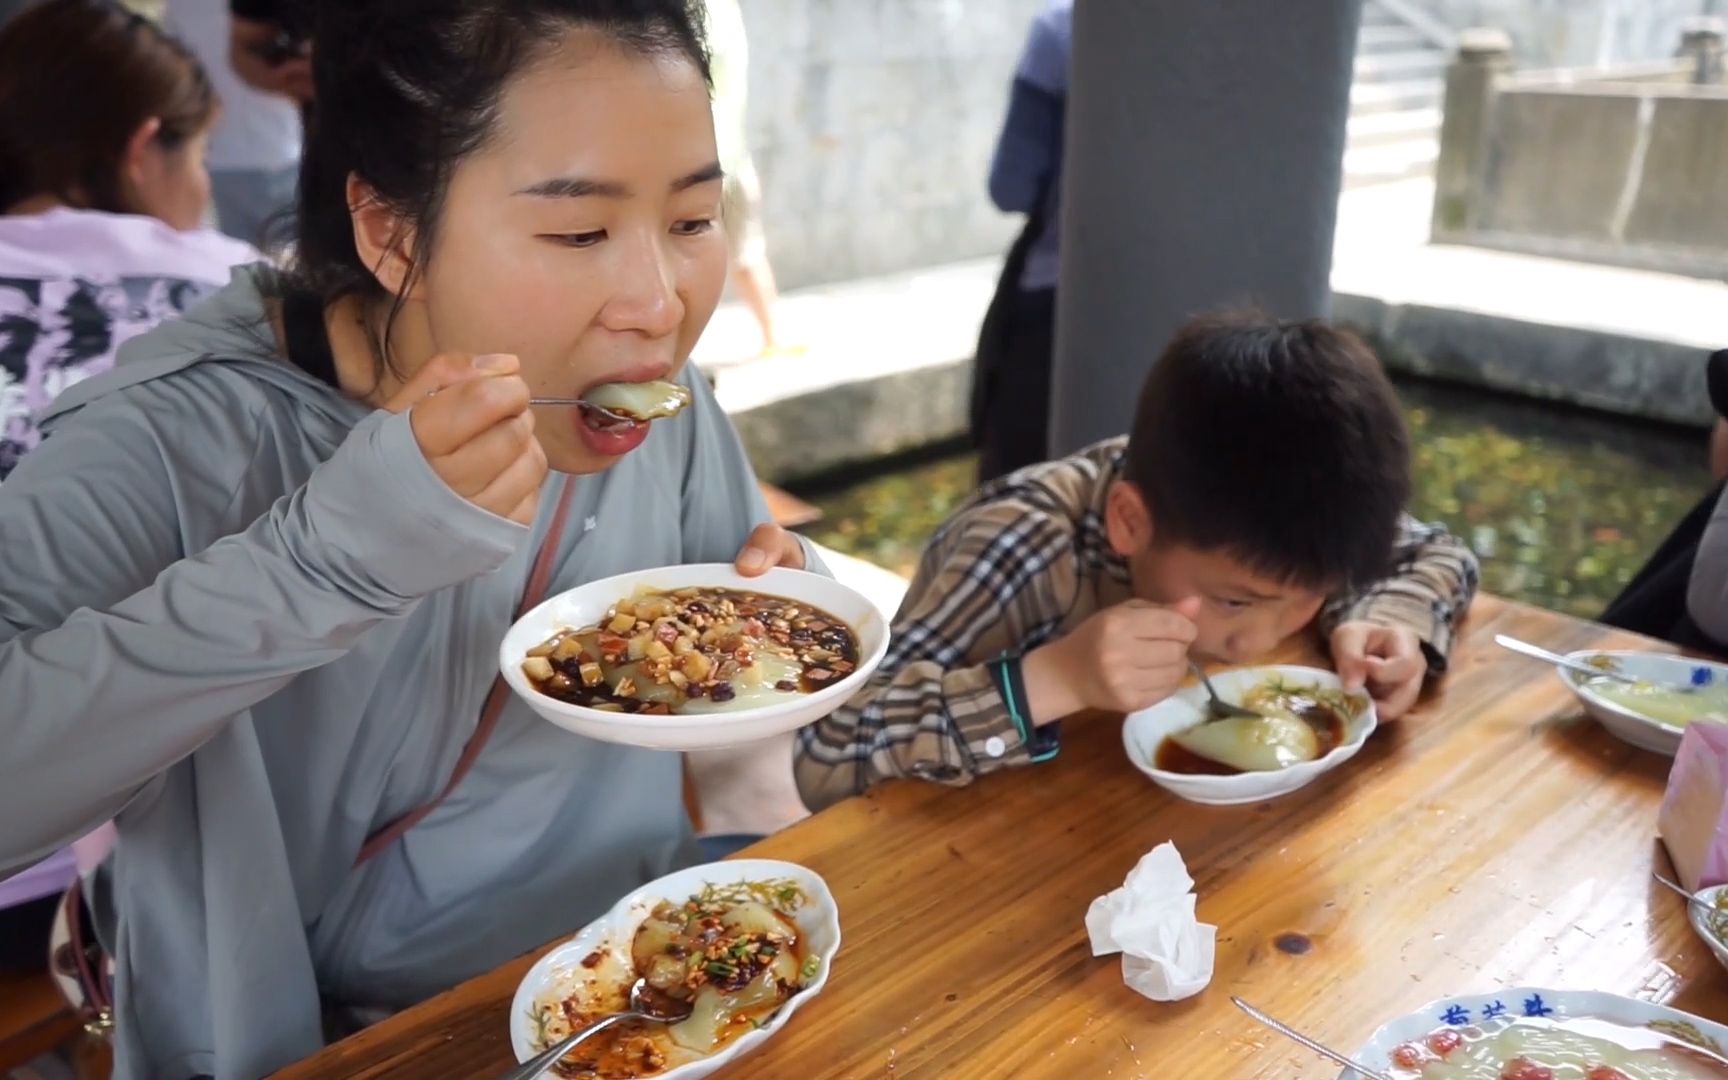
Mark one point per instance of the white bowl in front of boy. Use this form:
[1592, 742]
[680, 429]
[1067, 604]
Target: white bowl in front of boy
[1144, 732]
[588, 605]
[1658, 728]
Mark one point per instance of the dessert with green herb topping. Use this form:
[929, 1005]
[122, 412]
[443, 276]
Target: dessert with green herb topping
[732, 951]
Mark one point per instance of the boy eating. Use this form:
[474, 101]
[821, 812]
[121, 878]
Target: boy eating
[1261, 491]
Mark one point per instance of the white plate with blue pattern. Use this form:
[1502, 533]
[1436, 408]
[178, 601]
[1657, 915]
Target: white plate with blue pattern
[1664, 668]
[1508, 1005]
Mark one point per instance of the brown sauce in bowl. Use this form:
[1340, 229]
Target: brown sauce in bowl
[1329, 729]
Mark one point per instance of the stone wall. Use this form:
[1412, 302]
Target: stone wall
[872, 124]
[1578, 33]
[1633, 173]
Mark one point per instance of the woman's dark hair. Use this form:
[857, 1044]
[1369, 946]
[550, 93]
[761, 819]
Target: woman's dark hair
[406, 89]
[1281, 444]
[77, 80]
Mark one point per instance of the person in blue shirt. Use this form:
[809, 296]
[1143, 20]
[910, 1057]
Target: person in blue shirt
[1011, 379]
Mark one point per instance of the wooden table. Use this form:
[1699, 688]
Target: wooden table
[34, 1019]
[1495, 839]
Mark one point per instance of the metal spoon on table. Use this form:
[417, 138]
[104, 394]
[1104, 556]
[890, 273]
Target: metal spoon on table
[646, 1003]
[1217, 706]
[1539, 653]
[1691, 898]
[1291, 1033]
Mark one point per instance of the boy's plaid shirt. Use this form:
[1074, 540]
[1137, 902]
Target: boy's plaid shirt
[1023, 562]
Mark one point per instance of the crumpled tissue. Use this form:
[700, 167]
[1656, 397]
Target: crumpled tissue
[1167, 954]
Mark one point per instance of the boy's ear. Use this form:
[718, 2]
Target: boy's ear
[1127, 519]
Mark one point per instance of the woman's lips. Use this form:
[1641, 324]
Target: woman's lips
[607, 438]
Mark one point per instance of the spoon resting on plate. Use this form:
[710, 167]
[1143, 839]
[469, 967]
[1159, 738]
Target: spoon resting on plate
[646, 1003]
[1539, 653]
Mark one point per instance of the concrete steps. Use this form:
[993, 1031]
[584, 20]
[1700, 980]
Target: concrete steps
[1394, 126]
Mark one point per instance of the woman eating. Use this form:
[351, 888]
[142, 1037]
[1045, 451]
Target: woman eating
[253, 582]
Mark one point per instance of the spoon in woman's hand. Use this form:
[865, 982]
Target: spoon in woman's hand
[587, 406]
[646, 1003]
[579, 403]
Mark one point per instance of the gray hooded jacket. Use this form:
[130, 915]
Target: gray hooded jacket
[241, 614]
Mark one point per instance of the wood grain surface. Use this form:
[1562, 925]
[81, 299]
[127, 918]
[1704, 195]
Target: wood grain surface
[1495, 838]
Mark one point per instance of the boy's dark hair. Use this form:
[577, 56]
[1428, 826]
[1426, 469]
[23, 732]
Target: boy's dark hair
[1280, 443]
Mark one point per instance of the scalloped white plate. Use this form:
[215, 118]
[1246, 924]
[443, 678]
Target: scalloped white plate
[1144, 730]
[560, 973]
[1526, 1001]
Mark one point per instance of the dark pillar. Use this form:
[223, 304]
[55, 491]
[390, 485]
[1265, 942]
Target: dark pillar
[1203, 165]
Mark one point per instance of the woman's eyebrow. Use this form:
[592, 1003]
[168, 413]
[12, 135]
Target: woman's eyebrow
[581, 187]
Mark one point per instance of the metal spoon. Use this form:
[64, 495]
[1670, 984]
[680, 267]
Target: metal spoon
[599, 410]
[579, 403]
[1291, 1033]
[1217, 706]
[1691, 898]
[1570, 664]
[645, 1004]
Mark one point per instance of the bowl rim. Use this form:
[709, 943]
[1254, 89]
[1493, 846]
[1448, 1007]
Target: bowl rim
[1368, 721]
[622, 913]
[510, 665]
[1574, 682]
[1708, 894]
[1569, 1002]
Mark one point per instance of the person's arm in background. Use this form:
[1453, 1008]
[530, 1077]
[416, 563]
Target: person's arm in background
[1716, 379]
[1707, 589]
[1029, 150]
[268, 47]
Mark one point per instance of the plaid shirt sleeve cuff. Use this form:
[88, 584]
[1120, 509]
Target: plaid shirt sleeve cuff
[1433, 628]
[983, 724]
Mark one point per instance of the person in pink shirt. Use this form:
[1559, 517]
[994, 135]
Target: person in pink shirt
[103, 194]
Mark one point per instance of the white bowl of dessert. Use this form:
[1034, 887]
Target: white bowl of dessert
[694, 657]
[1310, 727]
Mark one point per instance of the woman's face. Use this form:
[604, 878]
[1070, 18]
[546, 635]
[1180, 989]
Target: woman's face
[584, 237]
[172, 185]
